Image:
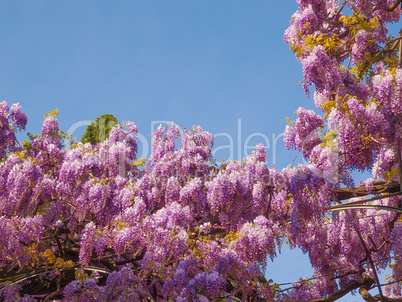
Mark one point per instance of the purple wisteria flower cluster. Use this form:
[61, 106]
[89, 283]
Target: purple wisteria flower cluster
[101, 226]
[90, 222]
[354, 66]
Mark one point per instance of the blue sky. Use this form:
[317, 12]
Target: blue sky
[207, 63]
[219, 64]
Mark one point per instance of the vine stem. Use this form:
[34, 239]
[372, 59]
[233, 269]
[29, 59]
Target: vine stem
[371, 262]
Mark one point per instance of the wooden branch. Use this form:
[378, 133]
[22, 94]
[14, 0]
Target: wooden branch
[344, 34]
[368, 297]
[368, 253]
[352, 285]
[393, 6]
[377, 188]
[360, 201]
[364, 284]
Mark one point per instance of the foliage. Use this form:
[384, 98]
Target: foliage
[91, 222]
[98, 131]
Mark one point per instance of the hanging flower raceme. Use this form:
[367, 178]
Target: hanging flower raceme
[303, 134]
[9, 123]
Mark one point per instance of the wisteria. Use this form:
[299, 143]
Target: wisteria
[354, 66]
[92, 222]
[96, 220]
[9, 123]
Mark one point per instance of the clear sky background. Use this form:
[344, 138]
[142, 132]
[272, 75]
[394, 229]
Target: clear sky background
[220, 64]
